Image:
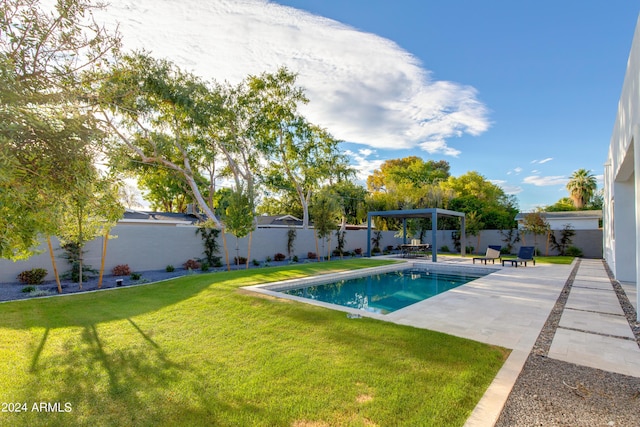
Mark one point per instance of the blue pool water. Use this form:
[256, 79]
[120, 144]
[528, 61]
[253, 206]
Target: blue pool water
[386, 292]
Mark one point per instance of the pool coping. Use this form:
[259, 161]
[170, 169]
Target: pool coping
[274, 288]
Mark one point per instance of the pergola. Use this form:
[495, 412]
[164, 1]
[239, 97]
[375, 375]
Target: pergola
[417, 213]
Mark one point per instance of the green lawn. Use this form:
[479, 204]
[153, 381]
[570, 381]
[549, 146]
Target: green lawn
[198, 351]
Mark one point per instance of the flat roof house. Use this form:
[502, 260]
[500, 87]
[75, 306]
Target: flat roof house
[621, 219]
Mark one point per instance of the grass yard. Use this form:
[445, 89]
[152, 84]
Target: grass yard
[197, 351]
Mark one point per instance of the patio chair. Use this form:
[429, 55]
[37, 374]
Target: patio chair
[493, 254]
[525, 254]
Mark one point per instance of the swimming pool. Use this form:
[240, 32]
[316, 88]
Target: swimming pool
[382, 292]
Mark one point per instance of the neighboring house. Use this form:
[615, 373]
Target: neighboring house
[170, 219]
[279, 221]
[578, 220]
[622, 179]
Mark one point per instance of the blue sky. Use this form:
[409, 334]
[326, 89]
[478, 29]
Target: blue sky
[524, 92]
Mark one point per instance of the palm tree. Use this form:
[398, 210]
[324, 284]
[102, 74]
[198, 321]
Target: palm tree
[582, 186]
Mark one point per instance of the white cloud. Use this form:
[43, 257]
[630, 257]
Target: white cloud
[362, 164]
[516, 171]
[506, 187]
[544, 181]
[363, 88]
[543, 161]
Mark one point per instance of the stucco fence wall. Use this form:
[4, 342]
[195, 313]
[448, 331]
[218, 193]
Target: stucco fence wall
[150, 247]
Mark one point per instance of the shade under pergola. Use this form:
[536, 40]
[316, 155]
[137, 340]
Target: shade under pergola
[404, 214]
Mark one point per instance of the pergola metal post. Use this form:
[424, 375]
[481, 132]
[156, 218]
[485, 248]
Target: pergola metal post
[417, 213]
[369, 235]
[434, 236]
[463, 248]
[404, 231]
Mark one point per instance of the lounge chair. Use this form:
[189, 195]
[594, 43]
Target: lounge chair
[525, 254]
[493, 254]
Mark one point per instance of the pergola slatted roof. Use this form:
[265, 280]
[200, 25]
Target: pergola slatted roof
[404, 214]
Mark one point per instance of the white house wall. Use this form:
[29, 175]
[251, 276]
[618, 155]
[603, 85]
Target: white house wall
[622, 180]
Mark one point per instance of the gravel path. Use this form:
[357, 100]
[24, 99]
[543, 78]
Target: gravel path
[554, 393]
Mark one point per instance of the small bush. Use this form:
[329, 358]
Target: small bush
[574, 251]
[375, 250]
[170, 268]
[279, 257]
[255, 262]
[40, 293]
[469, 249]
[121, 270]
[191, 264]
[268, 259]
[240, 260]
[204, 266]
[336, 252]
[295, 258]
[35, 276]
[358, 251]
[136, 276]
[28, 289]
[312, 255]
[444, 248]
[389, 248]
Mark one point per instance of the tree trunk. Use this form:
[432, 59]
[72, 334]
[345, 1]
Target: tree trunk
[249, 249]
[53, 264]
[104, 256]
[226, 250]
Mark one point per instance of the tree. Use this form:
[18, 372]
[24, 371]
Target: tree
[159, 113]
[473, 225]
[239, 219]
[88, 212]
[325, 212]
[582, 186]
[300, 156]
[44, 124]
[412, 170]
[536, 224]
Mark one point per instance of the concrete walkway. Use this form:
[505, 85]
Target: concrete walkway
[509, 308]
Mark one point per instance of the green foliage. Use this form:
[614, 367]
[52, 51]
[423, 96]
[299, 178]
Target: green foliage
[341, 242]
[566, 238]
[325, 212]
[444, 248]
[291, 237]
[574, 251]
[35, 276]
[209, 237]
[581, 186]
[279, 257]
[170, 268]
[28, 289]
[45, 127]
[136, 276]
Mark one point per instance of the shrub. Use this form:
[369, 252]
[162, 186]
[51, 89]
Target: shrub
[268, 259]
[358, 251]
[121, 270]
[389, 248]
[574, 251]
[170, 268]
[136, 276]
[204, 266]
[191, 264]
[28, 289]
[40, 293]
[444, 248]
[279, 257]
[295, 258]
[375, 250]
[240, 260]
[312, 255]
[35, 276]
[469, 249]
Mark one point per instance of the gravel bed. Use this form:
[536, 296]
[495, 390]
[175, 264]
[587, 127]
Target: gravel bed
[550, 392]
[13, 291]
